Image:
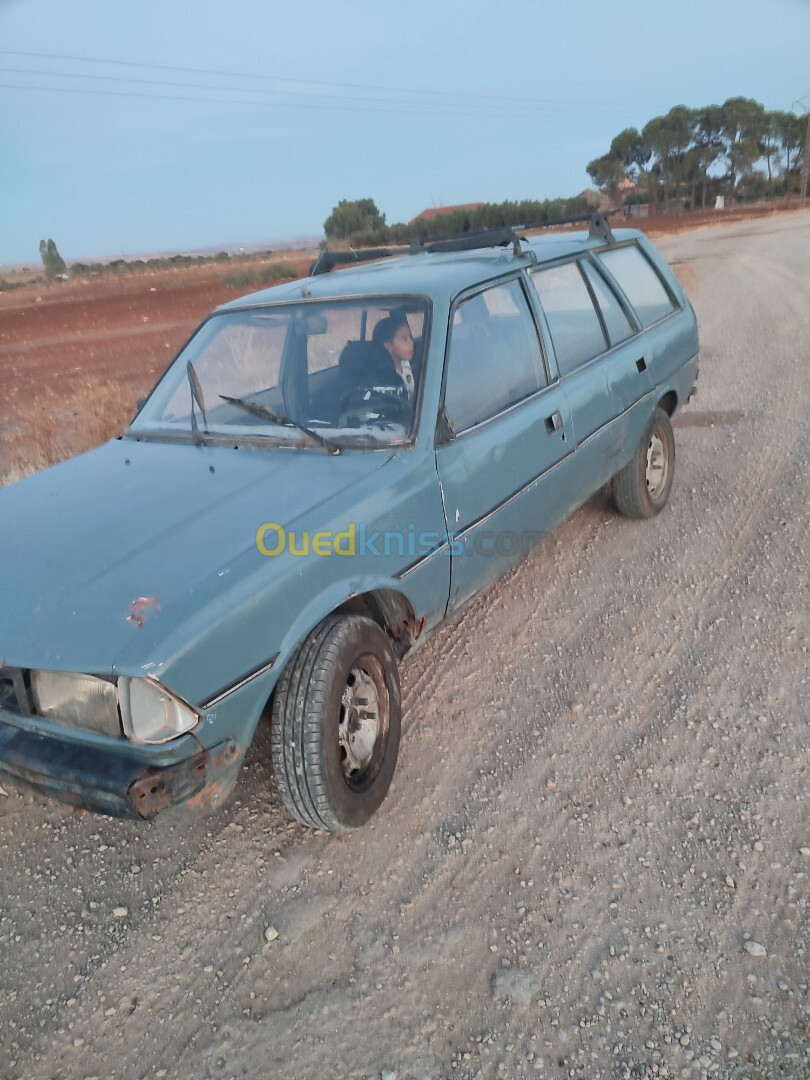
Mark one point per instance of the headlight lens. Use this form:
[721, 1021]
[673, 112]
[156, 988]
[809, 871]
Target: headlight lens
[80, 701]
[151, 714]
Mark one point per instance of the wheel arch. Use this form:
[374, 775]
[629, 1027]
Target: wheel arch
[390, 609]
[393, 613]
[669, 403]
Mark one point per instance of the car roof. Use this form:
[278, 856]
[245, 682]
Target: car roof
[435, 274]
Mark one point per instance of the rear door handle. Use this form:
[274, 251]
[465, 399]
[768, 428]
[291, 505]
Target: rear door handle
[554, 422]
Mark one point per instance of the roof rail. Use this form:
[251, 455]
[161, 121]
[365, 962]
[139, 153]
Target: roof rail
[468, 241]
[599, 230]
[500, 236]
[508, 234]
[328, 260]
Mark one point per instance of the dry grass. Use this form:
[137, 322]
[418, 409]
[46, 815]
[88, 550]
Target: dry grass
[55, 426]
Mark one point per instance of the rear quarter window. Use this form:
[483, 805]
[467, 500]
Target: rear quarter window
[640, 283]
[572, 320]
[616, 322]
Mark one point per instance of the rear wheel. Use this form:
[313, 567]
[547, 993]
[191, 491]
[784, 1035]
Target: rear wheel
[641, 489]
[336, 724]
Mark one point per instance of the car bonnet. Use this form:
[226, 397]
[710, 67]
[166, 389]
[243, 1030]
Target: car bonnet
[93, 549]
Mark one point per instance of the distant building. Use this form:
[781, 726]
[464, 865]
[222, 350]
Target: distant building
[437, 211]
[596, 200]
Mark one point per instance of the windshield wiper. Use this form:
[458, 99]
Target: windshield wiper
[196, 396]
[270, 414]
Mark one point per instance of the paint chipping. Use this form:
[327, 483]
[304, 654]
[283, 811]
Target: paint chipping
[141, 608]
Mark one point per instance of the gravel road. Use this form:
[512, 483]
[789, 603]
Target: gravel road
[594, 858]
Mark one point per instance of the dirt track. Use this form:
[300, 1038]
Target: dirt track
[602, 796]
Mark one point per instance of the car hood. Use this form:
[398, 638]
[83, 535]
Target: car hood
[94, 548]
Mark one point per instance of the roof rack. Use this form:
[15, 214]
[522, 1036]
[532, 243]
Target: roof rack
[508, 234]
[467, 241]
[501, 236]
[599, 230]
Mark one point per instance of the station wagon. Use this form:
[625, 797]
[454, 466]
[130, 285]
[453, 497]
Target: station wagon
[327, 471]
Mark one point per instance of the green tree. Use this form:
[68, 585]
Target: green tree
[51, 259]
[607, 173]
[744, 122]
[790, 132]
[669, 138]
[627, 159]
[352, 218]
[707, 146]
[632, 152]
[681, 122]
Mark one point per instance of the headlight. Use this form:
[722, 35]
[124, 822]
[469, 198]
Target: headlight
[81, 701]
[151, 714]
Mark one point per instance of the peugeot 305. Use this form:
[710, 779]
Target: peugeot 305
[327, 471]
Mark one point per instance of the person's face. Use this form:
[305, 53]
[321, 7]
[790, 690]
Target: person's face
[401, 344]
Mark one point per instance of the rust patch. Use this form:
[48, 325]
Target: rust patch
[141, 608]
[196, 786]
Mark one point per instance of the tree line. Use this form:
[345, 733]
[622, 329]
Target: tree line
[360, 220]
[682, 160]
[678, 161]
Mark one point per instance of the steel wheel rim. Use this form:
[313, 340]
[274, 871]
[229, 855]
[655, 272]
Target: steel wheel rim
[364, 722]
[657, 466]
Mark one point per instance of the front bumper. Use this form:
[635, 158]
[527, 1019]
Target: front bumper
[101, 779]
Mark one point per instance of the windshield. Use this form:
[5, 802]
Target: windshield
[322, 374]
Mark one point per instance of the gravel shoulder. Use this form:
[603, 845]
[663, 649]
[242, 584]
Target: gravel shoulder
[594, 858]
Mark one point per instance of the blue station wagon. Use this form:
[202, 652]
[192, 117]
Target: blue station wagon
[328, 470]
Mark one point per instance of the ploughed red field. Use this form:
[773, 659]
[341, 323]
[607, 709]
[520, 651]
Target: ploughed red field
[125, 328]
[76, 355]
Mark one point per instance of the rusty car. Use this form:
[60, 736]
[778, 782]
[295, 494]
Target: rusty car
[327, 471]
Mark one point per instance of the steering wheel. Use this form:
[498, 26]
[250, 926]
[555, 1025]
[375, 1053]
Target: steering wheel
[376, 405]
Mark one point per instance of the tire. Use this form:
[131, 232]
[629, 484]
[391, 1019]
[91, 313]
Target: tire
[641, 489]
[333, 756]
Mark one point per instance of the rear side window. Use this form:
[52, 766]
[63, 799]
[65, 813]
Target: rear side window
[494, 359]
[572, 319]
[618, 326]
[640, 283]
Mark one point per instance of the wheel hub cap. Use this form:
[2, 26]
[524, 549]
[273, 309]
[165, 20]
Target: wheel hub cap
[656, 473]
[359, 725]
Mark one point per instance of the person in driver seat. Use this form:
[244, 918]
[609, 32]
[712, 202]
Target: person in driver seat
[394, 335]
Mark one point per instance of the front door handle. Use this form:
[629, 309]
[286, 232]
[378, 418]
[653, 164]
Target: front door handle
[554, 422]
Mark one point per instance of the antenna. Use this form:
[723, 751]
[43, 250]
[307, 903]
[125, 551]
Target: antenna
[313, 270]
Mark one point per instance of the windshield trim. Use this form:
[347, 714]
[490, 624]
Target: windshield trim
[264, 442]
[234, 307]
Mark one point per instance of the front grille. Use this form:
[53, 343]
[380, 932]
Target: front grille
[14, 694]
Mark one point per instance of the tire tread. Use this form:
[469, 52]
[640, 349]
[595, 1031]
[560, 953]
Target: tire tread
[299, 705]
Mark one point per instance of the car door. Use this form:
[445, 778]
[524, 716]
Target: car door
[626, 364]
[652, 303]
[504, 433]
[587, 327]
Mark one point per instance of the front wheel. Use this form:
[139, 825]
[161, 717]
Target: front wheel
[641, 489]
[336, 724]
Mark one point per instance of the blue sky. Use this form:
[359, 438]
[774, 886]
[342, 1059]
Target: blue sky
[425, 103]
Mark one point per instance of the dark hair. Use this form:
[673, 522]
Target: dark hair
[387, 327]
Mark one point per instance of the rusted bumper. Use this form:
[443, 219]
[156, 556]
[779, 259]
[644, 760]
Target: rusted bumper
[109, 783]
